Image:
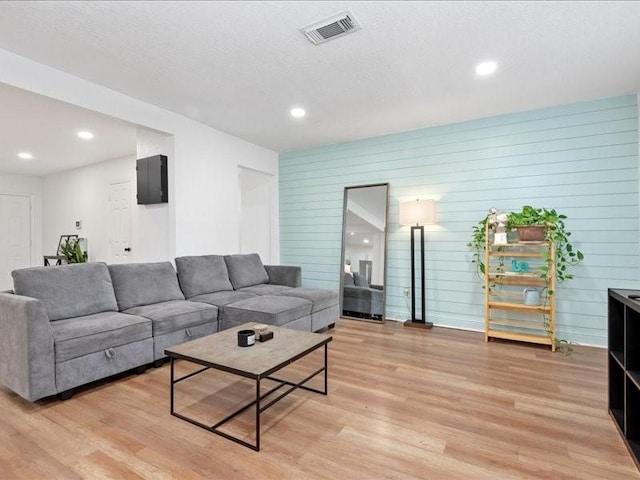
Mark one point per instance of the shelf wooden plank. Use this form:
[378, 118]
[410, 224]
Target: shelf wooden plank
[520, 279]
[520, 337]
[521, 244]
[516, 253]
[514, 296]
[519, 307]
[509, 322]
[502, 296]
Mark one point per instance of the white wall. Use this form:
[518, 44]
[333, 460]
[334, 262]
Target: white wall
[31, 186]
[82, 194]
[203, 178]
[151, 224]
[208, 194]
[256, 204]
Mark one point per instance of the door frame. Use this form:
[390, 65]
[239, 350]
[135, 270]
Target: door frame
[274, 253]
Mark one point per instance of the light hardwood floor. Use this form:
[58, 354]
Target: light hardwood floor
[403, 403]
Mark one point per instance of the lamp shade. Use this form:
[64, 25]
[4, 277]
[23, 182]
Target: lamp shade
[418, 212]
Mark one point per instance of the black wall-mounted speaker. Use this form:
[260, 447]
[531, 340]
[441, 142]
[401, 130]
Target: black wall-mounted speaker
[152, 180]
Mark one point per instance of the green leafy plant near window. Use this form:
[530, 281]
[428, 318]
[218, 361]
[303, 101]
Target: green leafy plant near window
[555, 232]
[72, 251]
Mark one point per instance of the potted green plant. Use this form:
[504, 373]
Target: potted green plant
[553, 231]
[553, 226]
[72, 251]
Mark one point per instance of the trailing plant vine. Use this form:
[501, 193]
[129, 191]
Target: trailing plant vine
[555, 234]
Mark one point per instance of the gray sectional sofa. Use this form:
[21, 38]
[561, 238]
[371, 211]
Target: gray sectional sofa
[69, 325]
[360, 298]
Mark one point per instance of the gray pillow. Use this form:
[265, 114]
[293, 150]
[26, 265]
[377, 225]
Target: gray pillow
[203, 274]
[360, 280]
[138, 284]
[68, 291]
[246, 270]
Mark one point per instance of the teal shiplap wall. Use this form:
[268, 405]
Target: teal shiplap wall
[581, 159]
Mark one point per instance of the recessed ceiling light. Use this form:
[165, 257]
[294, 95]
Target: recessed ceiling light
[352, 233]
[25, 155]
[366, 240]
[298, 112]
[486, 68]
[85, 135]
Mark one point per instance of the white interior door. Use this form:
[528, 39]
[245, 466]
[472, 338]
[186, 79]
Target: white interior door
[120, 222]
[255, 213]
[15, 240]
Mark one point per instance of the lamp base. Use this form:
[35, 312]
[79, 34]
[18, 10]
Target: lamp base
[418, 324]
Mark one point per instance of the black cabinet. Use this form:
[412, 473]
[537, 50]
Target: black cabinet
[152, 180]
[624, 367]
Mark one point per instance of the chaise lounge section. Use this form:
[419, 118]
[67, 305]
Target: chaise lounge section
[246, 290]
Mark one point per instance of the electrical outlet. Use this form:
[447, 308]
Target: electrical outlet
[406, 291]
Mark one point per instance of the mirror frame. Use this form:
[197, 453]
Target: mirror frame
[343, 258]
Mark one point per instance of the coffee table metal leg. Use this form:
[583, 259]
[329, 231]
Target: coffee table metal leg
[326, 369]
[172, 383]
[258, 414]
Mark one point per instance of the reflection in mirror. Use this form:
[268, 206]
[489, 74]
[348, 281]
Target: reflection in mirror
[364, 251]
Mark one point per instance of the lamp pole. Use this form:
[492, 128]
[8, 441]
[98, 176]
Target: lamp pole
[418, 322]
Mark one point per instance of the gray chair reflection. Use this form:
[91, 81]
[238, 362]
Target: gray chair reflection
[361, 299]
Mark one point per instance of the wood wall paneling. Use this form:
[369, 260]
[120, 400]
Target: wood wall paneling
[581, 159]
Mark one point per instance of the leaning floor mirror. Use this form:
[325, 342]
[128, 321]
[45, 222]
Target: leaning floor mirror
[364, 251]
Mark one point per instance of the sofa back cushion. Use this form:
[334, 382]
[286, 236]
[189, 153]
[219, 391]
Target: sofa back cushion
[203, 274]
[246, 270]
[348, 280]
[138, 284]
[68, 291]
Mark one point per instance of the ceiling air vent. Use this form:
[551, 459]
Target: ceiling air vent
[332, 27]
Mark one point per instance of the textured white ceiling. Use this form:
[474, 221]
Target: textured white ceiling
[240, 66]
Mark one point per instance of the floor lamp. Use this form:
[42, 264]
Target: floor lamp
[417, 214]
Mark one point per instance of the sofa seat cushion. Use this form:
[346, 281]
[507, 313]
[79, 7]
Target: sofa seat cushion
[321, 299]
[246, 270]
[269, 309]
[76, 337]
[202, 274]
[138, 284]
[175, 315]
[266, 289]
[221, 299]
[68, 291]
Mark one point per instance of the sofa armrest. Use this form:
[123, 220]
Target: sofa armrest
[284, 275]
[27, 359]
